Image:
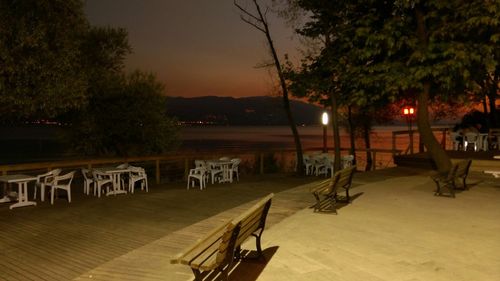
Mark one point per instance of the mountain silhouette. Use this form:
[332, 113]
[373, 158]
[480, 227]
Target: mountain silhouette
[255, 111]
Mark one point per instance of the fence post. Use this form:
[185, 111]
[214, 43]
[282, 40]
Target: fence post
[261, 163]
[393, 144]
[186, 167]
[374, 158]
[158, 176]
[444, 139]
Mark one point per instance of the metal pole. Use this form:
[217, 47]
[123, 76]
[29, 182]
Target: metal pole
[411, 134]
[324, 139]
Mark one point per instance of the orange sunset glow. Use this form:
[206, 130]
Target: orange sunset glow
[196, 48]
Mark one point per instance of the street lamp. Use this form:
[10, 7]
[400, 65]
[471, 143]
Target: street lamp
[409, 112]
[324, 121]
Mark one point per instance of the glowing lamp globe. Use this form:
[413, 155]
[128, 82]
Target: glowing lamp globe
[324, 118]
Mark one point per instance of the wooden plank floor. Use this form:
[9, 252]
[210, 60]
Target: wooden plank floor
[63, 241]
[93, 238]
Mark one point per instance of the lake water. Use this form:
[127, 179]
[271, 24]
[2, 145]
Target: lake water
[231, 140]
[38, 144]
[274, 137]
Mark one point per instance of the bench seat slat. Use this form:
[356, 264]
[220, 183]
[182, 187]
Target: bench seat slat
[257, 205]
[202, 243]
[248, 229]
[321, 186]
[213, 256]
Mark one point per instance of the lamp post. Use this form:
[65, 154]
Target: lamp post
[409, 112]
[324, 121]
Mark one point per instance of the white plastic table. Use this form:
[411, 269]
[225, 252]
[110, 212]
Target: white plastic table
[22, 184]
[226, 170]
[115, 176]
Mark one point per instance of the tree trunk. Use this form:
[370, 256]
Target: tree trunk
[366, 137]
[492, 98]
[485, 105]
[336, 134]
[284, 89]
[259, 22]
[352, 135]
[434, 149]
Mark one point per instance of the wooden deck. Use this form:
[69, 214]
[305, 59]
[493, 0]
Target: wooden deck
[132, 237]
[66, 240]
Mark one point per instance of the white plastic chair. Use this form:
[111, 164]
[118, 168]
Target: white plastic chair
[123, 166]
[224, 158]
[308, 163]
[215, 171]
[137, 174]
[202, 164]
[62, 182]
[45, 180]
[321, 164]
[329, 165]
[347, 161]
[88, 181]
[197, 174]
[101, 179]
[454, 137]
[235, 162]
[471, 138]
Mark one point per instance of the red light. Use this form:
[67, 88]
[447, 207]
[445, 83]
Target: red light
[408, 111]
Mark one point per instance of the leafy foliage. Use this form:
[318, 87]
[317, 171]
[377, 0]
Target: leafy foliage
[56, 66]
[126, 117]
[41, 73]
[378, 50]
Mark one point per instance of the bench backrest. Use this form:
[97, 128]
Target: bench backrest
[343, 178]
[463, 168]
[226, 248]
[253, 219]
[459, 169]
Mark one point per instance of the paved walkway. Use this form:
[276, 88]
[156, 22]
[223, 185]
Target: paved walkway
[396, 230]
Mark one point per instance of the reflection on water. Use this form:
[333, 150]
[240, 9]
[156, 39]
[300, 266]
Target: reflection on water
[248, 138]
[273, 138]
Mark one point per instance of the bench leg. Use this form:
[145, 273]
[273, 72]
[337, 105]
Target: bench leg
[333, 199]
[257, 242]
[197, 275]
[347, 196]
[237, 253]
[438, 189]
[317, 207]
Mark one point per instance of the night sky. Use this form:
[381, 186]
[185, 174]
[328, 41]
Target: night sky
[195, 47]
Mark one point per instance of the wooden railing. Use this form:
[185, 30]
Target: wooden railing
[410, 134]
[177, 165]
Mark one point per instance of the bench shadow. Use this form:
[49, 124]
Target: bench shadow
[326, 206]
[248, 268]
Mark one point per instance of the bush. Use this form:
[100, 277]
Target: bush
[125, 117]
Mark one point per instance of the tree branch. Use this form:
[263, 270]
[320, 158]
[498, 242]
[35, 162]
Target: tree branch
[252, 24]
[243, 10]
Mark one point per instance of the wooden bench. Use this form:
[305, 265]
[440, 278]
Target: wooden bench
[326, 192]
[217, 251]
[459, 170]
